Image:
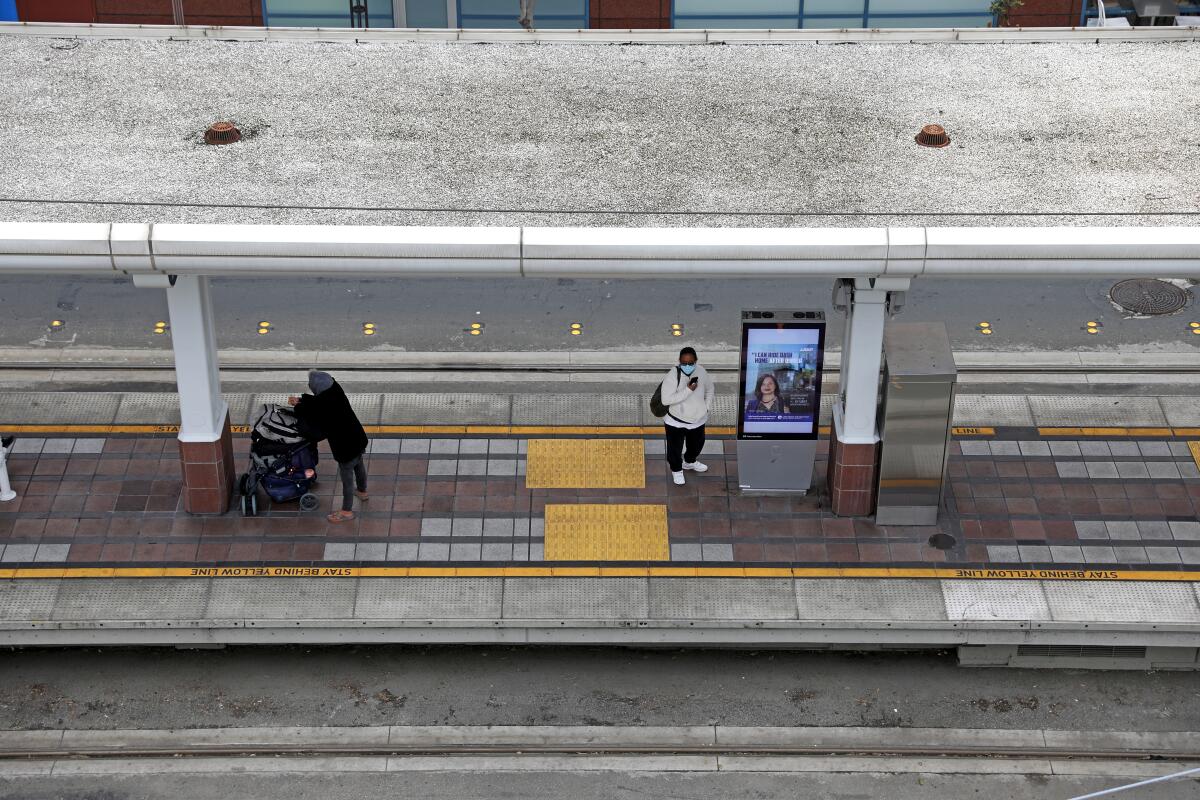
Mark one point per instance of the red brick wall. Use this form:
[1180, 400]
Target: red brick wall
[1046, 14]
[56, 11]
[142, 12]
[631, 13]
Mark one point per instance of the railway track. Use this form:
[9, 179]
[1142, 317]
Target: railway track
[602, 741]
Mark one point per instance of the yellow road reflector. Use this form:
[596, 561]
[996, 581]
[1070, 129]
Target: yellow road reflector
[56, 323]
[593, 532]
[576, 329]
[586, 464]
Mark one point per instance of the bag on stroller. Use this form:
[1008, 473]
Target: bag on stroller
[282, 461]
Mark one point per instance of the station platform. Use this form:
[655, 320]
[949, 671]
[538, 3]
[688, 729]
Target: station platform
[487, 532]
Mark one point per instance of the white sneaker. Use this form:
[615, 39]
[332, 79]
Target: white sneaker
[697, 466]
[678, 478]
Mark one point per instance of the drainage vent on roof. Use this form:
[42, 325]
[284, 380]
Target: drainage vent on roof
[1080, 651]
[933, 136]
[222, 133]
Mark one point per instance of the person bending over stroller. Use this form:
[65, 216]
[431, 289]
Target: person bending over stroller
[326, 414]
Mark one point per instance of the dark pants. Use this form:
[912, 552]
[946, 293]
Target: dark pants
[354, 475]
[676, 439]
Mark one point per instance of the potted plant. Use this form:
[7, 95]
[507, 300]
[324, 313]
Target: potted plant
[1000, 10]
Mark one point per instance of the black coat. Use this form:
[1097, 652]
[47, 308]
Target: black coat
[328, 415]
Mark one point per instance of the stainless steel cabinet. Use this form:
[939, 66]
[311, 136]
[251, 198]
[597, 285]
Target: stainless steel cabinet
[914, 422]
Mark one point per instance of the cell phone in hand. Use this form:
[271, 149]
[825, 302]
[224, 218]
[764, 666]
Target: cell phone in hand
[693, 383]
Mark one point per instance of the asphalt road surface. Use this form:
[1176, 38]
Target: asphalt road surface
[434, 315]
[160, 688]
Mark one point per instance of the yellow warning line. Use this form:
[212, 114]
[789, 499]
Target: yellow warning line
[1118, 431]
[963, 431]
[1194, 447]
[983, 573]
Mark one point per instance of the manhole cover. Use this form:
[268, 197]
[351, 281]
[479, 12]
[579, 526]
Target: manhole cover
[1148, 296]
[942, 541]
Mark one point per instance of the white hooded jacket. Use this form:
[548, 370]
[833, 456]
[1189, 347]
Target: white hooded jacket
[687, 408]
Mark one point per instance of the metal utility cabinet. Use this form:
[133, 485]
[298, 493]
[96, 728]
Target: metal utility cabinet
[914, 422]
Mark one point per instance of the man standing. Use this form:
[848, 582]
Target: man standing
[688, 392]
[327, 414]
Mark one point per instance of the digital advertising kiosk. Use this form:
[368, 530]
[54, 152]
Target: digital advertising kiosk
[779, 401]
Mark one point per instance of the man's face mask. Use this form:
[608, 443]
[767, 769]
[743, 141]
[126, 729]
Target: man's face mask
[687, 369]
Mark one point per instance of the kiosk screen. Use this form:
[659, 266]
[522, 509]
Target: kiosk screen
[781, 380]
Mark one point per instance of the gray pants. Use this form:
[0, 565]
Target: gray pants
[354, 475]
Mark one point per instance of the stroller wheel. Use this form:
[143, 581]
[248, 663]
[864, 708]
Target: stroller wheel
[243, 483]
[309, 502]
[249, 505]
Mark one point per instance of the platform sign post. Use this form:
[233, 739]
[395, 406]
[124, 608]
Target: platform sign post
[779, 399]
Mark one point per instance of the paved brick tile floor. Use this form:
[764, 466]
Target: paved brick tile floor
[1014, 500]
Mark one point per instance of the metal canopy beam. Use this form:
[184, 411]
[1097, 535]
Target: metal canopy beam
[642, 253]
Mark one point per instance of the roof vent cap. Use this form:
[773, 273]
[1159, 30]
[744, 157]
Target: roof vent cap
[933, 136]
[222, 133]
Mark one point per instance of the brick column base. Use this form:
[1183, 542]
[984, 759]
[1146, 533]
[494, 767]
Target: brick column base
[208, 473]
[851, 477]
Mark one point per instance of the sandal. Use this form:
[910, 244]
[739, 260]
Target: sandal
[340, 516]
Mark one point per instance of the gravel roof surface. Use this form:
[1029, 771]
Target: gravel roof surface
[552, 129]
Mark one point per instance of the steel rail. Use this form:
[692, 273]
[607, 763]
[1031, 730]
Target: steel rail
[924, 751]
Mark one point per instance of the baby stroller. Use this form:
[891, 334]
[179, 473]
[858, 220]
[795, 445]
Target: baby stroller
[282, 460]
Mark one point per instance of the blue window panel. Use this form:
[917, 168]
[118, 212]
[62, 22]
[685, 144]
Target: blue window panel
[833, 22]
[921, 8]
[932, 21]
[837, 8]
[8, 10]
[426, 13]
[717, 23]
[737, 8]
[324, 13]
[504, 13]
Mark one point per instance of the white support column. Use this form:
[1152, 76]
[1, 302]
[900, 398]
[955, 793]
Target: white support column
[854, 445]
[862, 356]
[202, 408]
[205, 443]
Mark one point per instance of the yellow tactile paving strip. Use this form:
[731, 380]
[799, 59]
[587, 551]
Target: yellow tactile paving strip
[586, 464]
[594, 532]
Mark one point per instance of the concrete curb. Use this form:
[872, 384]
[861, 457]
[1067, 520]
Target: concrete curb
[571, 738]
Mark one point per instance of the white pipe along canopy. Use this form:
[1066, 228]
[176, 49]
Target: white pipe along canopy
[155, 249]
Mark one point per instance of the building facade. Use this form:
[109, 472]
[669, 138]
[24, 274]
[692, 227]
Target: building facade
[550, 13]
